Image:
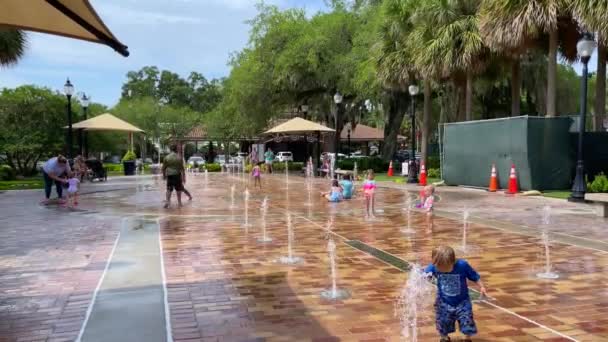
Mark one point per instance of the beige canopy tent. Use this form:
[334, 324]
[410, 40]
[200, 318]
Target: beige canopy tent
[107, 122]
[302, 126]
[299, 125]
[69, 18]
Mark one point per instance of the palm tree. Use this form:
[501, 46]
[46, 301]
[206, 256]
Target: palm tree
[593, 15]
[12, 46]
[447, 43]
[513, 25]
[392, 61]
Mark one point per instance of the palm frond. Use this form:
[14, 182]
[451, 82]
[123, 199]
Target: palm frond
[13, 44]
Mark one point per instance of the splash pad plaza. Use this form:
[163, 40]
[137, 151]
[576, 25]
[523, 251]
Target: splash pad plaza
[283, 264]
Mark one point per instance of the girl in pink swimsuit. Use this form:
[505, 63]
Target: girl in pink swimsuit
[256, 172]
[369, 187]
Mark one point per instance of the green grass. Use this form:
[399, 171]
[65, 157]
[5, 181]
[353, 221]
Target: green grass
[560, 194]
[382, 177]
[22, 184]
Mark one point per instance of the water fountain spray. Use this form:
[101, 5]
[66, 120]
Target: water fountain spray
[408, 212]
[246, 196]
[548, 273]
[415, 298]
[290, 259]
[232, 189]
[465, 226]
[265, 238]
[334, 293]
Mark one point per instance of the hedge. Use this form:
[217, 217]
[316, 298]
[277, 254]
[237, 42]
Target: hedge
[293, 166]
[7, 173]
[374, 163]
[113, 167]
[599, 184]
[212, 167]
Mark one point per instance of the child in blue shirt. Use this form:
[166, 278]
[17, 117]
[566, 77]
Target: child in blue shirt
[453, 302]
[347, 187]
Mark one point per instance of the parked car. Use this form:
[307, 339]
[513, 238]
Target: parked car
[113, 160]
[284, 157]
[220, 159]
[195, 161]
[331, 154]
[357, 155]
[241, 155]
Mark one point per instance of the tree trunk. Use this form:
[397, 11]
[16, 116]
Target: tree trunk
[426, 121]
[600, 88]
[469, 97]
[397, 107]
[515, 88]
[552, 74]
[461, 104]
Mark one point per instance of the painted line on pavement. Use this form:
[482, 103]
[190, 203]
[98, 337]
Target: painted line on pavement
[168, 328]
[529, 320]
[103, 275]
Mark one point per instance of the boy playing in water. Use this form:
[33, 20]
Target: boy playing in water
[453, 302]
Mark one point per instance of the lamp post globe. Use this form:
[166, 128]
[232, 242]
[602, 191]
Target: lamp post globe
[68, 89]
[585, 48]
[413, 89]
[412, 174]
[84, 148]
[338, 98]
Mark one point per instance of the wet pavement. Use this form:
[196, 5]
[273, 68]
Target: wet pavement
[70, 273]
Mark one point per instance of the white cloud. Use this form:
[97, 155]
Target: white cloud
[130, 15]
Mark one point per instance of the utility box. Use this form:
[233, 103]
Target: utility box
[539, 147]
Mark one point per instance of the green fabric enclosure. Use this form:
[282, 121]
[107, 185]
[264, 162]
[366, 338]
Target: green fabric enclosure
[539, 147]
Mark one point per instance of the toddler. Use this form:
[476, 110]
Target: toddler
[427, 198]
[73, 190]
[369, 187]
[453, 302]
[335, 195]
[256, 173]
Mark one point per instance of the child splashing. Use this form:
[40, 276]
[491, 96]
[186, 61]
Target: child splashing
[369, 187]
[453, 302]
[256, 173]
[335, 195]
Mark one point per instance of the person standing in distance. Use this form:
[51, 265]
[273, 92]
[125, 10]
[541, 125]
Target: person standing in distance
[173, 172]
[269, 158]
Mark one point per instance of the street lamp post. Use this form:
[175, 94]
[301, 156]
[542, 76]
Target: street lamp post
[68, 89]
[348, 137]
[84, 146]
[304, 109]
[338, 100]
[585, 48]
[413, 169]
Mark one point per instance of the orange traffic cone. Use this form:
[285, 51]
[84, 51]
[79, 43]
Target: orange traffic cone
[493, 180]
[390, 169]
[422, 175]
[512, 181]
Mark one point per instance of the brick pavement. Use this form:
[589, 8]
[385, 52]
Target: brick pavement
[225, 286]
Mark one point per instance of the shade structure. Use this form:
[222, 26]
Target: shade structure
[298, 125]
[106, 122]
[365, 133]
[69, 18]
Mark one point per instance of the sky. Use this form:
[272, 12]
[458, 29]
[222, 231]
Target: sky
[177, 35]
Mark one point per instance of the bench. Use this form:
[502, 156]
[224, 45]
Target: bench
[342, 173]
[600, 200]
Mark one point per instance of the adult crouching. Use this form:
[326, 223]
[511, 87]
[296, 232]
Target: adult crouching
[52, 171]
